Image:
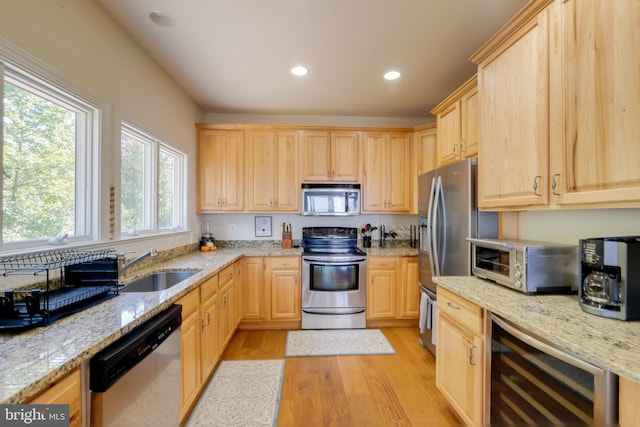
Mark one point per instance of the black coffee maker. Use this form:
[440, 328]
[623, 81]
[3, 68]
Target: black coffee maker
[610, 273]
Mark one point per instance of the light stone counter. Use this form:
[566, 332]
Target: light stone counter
[31, 360]
[607, 343]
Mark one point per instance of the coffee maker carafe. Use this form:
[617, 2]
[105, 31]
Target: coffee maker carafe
[610, 273]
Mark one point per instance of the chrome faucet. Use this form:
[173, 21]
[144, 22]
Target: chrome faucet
[123, 265]
[383, 237]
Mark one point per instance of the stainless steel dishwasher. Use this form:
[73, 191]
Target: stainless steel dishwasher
[135, 381]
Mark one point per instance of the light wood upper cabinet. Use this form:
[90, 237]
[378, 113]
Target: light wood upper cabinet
[425, 139]
[220, 171]
[595, 103]
[424, 160]
[330, 156]
[457, 120]
[272, 171]
[513, 85]
[387, 183]
[558, 95]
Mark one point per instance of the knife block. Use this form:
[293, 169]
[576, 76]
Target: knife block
[286, 240]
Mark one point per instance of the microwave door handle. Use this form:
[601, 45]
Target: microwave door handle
[436, 249]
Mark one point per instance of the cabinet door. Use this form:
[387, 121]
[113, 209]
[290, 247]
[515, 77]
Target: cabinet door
[226, 302]
[399, 187]
[381, 291]
[190, 338]
[285, 295]
[65, 391]
[287, 176]
[345, 156]
[469, 123]
[448, 147]
[409, 297]
[459, 364]
[261, 171]
[513, 100]
[251, 281]
[374, 180]
[220, 171]
[209, 343]
[425, 143]
[595, 140]
[272, 171]
[316, 156]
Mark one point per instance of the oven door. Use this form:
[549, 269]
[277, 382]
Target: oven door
[333, 281]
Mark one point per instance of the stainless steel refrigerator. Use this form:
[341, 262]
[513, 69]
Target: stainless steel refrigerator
[448, 214]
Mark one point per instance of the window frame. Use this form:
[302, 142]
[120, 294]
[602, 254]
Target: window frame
[152, 165]
[32, 76]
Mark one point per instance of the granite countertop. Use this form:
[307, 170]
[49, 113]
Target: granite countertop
[610, 344]
[31, 360]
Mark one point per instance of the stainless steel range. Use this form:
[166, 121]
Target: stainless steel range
[334, 274]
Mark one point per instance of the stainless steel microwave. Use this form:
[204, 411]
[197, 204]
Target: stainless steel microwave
[526, 266]
[331, 199]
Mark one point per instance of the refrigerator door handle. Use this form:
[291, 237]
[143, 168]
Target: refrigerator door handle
[429, 239]
[434, 227]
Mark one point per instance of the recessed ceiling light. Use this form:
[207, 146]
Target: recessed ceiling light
[299, 70]
[391, 75]
[161, 18]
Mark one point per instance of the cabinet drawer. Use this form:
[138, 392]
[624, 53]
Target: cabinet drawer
[382, 262]
[209, 288]
[190, 303]
[463, 311]
[225, 276]
[284, 263]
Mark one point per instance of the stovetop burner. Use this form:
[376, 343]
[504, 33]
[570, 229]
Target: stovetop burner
[330, 240]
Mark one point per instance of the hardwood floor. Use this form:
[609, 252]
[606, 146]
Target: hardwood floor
[343, 391]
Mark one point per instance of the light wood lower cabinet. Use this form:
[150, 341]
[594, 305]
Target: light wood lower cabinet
[392, 289]
[629, 397]
[66, 391]
[251, 284]
[460, 356]
[201, 341]
[227, 303]
[283, 288]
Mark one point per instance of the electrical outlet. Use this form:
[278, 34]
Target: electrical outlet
[232, 228]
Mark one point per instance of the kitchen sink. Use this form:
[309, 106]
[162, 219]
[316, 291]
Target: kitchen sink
[158, 281]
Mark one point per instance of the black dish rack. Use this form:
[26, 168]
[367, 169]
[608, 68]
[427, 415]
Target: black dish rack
[87, 277]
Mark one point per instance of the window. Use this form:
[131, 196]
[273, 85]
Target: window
[152, 184]
[48, 135]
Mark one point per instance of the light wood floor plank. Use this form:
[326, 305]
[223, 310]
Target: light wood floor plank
[345, 391]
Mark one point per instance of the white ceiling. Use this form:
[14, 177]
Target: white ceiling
[234, 56]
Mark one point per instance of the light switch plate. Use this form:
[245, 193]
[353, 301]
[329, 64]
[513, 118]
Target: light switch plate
[263, 226]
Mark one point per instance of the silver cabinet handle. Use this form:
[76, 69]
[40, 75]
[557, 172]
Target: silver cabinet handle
[554, 184]
[450, 304]
[535, 185]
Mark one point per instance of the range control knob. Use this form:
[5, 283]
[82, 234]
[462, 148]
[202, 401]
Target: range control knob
[518, 284]
[518, 275]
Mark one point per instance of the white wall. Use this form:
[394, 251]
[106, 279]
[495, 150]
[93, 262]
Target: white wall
[81, 41]
[245, 224]
[568, 226]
